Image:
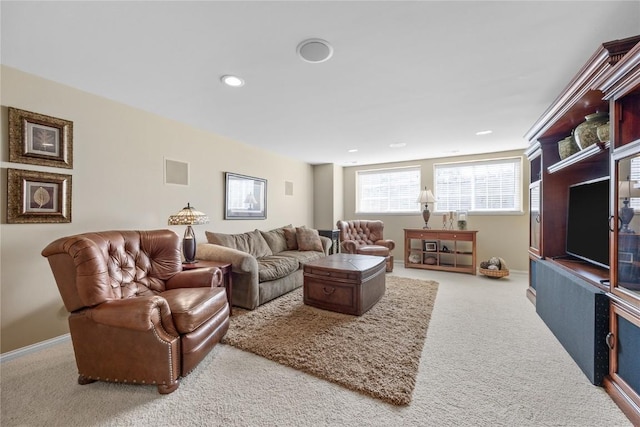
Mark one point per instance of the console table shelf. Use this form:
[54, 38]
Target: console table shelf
[446, 250]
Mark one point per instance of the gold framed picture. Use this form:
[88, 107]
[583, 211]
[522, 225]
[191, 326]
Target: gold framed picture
[40, 140]
[38, 197]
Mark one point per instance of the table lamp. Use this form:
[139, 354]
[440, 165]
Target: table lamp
[426, 197]
[189, 216]
[626, 190]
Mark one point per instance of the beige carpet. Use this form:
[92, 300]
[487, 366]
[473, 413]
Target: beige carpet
[377, 353]
[488, 360]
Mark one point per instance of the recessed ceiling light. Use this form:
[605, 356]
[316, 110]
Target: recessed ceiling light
[315, 50]
[484, 132]
[398, 145]
[232, 81]
[353, 150]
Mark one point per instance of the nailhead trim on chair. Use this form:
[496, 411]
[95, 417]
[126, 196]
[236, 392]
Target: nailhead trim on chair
[171, 361]
[116, 380]
[135, 381]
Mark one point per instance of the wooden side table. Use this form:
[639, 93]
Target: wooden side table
[334, 235]
[226, 275]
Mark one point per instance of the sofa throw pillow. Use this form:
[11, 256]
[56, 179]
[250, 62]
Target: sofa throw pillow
[290, 237]
[251, 242]
[308, 239]
[275, 239]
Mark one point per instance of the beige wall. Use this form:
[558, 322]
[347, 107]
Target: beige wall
[328, 199]
[118, 183]
[323, 196]
[506, 236]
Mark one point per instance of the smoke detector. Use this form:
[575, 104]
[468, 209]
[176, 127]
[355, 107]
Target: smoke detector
[315, 50]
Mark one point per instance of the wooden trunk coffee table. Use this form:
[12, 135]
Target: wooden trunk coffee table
[345, 283]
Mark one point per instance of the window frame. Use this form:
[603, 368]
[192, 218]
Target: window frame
[358, 202]
[518, 186]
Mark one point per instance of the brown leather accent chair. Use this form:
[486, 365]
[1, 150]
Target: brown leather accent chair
[134, 315]
[366, 238]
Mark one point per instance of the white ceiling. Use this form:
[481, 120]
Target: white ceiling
[429, 74]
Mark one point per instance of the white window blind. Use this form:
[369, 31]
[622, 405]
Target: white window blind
[634, 177]
[534, 195]
[482, 186]
[388, 190]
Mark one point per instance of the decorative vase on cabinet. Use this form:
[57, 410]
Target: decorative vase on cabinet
[603, 132]
[567, 147]
[586, 133]
[462, 220]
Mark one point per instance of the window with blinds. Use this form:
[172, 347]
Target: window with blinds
[634, 178]
[388, 190]
[488, 186]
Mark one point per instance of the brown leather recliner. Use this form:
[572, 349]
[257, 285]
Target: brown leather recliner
[135, 316]
[366, 238]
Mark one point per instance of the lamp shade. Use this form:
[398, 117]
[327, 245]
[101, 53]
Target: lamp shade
[628, 189]
[624, 190]
[188, 216]
[426, 196]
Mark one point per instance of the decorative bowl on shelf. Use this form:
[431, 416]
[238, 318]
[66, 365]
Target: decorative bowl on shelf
[430, 260]
[414, 258]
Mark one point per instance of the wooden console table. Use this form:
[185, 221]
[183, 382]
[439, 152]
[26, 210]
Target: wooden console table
[446, 250]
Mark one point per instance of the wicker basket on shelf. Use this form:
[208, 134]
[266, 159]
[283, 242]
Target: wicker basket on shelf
[496, 274]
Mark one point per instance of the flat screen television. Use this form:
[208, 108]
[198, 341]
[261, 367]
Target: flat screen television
[588, 221]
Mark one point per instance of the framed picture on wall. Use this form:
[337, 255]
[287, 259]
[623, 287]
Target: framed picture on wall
[38, 197]
[40, 140]
[245, 197]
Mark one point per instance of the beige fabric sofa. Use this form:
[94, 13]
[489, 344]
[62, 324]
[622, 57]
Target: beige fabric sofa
[265, 264]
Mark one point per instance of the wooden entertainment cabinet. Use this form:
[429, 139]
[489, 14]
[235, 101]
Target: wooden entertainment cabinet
[593, 311]
[446, 250]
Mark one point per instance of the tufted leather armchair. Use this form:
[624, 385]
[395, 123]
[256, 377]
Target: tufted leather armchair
[366, 238]
[134, 315]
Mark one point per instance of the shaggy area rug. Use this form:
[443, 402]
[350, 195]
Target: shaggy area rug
[377, 353]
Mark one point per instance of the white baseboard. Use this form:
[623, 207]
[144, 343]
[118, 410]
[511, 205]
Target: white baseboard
[14, 354]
